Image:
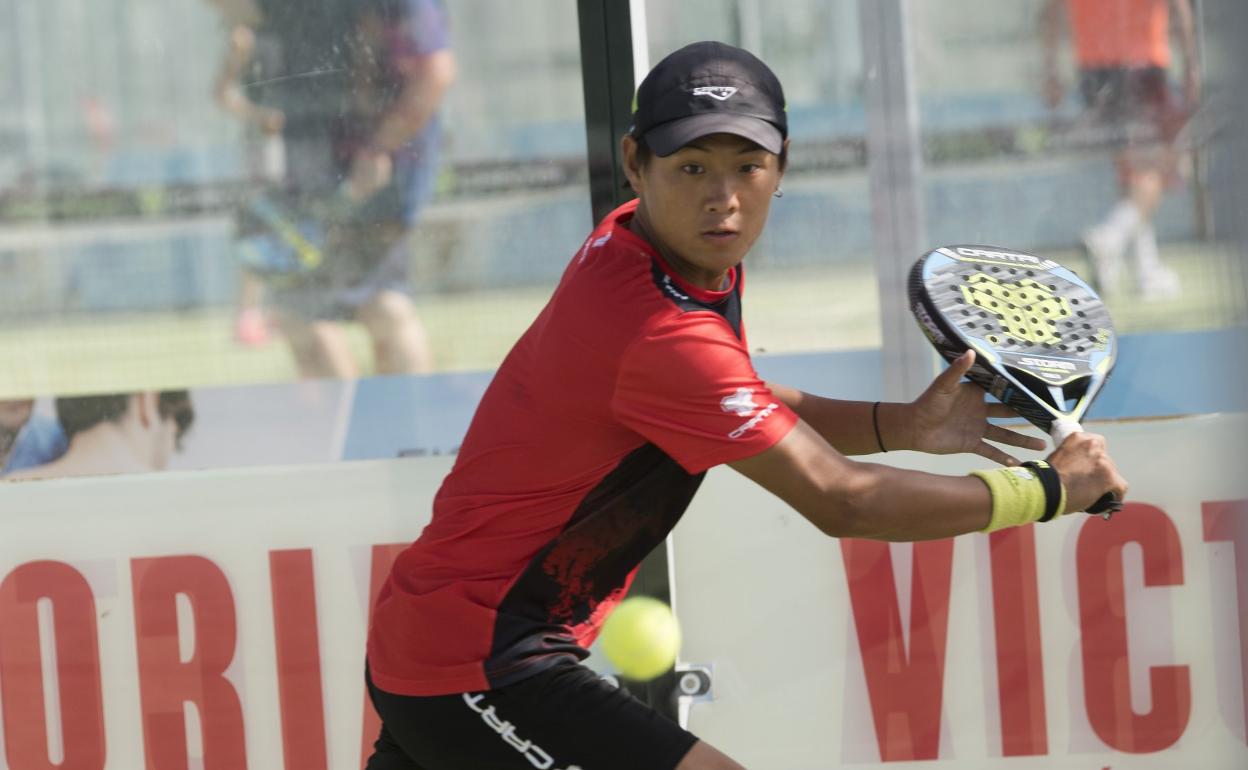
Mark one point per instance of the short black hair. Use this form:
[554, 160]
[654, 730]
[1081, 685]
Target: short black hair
[79, 413]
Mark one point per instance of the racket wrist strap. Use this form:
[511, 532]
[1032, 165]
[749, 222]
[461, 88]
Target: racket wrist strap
[1018, 496]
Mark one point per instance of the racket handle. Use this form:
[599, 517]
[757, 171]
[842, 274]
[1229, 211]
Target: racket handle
[1060, 430]
[1107, 505]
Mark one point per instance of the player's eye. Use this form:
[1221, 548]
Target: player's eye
[750, 168]
[692, 168]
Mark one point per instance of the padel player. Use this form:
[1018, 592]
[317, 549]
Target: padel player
[596, 432]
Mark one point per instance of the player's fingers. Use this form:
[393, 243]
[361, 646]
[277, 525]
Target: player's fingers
[1013, 438]
[947, 381]
[996, 455]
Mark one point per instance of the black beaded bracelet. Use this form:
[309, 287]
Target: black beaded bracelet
[1052, 483]
[875, 421]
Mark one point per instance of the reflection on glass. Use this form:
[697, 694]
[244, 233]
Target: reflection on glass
[207, 192]
[1067, 127]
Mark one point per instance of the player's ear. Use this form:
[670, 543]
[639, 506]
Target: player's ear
[145, 408]
[630, 159]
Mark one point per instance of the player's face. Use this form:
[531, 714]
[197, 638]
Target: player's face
[704, 205]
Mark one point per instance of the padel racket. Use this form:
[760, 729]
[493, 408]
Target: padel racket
[1043, 340]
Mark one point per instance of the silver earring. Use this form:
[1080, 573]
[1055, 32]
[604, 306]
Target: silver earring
[779, 193]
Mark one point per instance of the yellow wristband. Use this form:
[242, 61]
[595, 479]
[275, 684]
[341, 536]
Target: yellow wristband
[1017, 497]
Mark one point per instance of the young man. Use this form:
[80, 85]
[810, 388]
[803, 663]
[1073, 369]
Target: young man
[1122, 48]
[597, 430]
[353, 90]
[121, 433]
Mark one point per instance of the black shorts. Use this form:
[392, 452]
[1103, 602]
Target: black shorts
[1118, 95]
[564, 718]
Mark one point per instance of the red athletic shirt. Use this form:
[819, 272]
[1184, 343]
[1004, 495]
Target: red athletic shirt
[1120, 33]
[584, 452]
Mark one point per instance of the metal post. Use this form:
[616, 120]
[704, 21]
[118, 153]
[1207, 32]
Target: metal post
[894, 163]
[608, 81]
[613, 61]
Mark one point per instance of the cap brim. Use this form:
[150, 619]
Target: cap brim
[667, 138]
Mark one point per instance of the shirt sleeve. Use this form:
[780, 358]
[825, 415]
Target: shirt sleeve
[420, 30]
[691, 389]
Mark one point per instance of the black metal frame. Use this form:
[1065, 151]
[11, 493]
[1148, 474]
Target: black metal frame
[607, 80]
[607, 77]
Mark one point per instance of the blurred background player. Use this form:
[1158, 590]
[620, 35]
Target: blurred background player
[264, 137]
[27, 439]
[121, 433]
[353, 88]
[1122, 49]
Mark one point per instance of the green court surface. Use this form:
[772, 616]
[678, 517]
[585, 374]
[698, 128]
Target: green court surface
[789, 311]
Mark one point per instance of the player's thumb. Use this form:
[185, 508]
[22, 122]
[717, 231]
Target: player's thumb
[948, 379]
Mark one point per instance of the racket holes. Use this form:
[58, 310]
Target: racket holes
[994, 339]
[1063, 346]
[1074, 302]
[1035, 320]
[965, 311]
[1052, 287]
[995, 269]
[982, 314]
[994, 304]
[1087, 326]
[1070, 324]
[953, 288]
[1031, 274]
[970, 324]
[1081, 314]
[1018, 318]
[1080, 349]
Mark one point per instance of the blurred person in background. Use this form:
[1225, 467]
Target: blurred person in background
[27, 439]
[1122, 49]
[352, 88]
[120, 433]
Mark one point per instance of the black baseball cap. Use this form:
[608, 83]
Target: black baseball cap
[709, 88]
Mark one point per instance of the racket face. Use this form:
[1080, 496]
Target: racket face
[1043, 338]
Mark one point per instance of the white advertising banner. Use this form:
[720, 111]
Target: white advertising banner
[215, 620]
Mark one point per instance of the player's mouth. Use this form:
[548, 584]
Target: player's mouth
[720, 235]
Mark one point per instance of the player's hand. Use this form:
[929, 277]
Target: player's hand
[1087, 471]
[1191, 89]
[952, 416]
[370, 172]
[1053, 89]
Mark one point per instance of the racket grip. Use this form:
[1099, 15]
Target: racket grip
[1060, 430]
[1107, 505]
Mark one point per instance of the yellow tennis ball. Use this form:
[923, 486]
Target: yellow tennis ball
[641, 638]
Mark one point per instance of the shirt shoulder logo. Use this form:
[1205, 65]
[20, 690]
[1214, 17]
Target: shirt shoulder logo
[740, 403]
[722, 93]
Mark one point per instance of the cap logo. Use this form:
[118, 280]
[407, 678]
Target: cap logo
[722, 93]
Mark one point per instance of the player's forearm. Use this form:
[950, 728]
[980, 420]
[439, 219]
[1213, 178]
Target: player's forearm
[416, 105]
[849, 425]
[879, 502]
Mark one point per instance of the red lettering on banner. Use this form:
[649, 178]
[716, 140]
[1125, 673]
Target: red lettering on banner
[1228, 521]
[77, 668]
[383, 558]
[905, 689]
[1102, 617]
[298, 660]
[165, 681]
[1016, 620]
